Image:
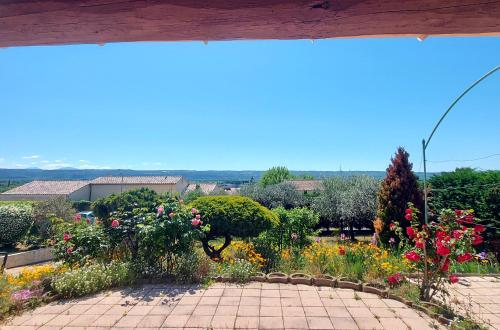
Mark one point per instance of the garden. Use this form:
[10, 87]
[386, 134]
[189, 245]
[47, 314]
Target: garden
[270, 232]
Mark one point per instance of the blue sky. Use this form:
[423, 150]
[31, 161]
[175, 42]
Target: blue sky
[331, 104]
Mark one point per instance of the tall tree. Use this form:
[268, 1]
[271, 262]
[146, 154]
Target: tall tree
[399, 187]
[275, 175]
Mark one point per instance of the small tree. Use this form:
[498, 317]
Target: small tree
[399, 187]
[45, 211]
[349, 201]
[228, 216]
[283, 194]
[275, 175]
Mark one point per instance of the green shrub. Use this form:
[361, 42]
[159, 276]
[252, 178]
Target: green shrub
[93, 278]
[43, 214]
[238, 271]
[274, 195]
[15, 221]
[82, 205]
[228, 216]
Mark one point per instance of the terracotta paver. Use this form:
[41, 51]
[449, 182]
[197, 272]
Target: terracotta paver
[228, 306]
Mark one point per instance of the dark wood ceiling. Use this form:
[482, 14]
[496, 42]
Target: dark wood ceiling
[52, 22]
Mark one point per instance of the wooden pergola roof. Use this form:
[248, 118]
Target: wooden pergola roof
[52, 22]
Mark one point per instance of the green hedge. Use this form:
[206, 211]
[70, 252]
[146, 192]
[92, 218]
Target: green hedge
[15, 221]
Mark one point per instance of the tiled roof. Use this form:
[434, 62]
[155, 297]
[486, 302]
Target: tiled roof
[307, 185]
[136, 180]
[47, 188]
[206, 188]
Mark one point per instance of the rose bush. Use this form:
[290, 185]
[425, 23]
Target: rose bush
[432, 248]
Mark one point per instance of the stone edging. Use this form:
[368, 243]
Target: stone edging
[26, 258]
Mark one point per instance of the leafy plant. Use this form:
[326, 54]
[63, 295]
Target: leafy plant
[228, 216]
[44, 212]
[295, 227]
[15, 222]
[239, 270]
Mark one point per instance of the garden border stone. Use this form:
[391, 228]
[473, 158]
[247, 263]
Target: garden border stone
[26, 258]
[300, 278]
[325, 280]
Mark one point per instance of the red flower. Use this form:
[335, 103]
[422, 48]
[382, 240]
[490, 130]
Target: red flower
[408, 211]
[196, 222]
[394, 279]
[453, 279]
[392, 226]
[69, 250]
[408, 216]
[77, 217]
[458, 213]
[461, 258]
[477, 239]
[412, 256]
[419, 244]
[457, 234]
[445, 266]
[341, 250]
[442, 250]
[66, 236]
[115, 223]
[479, 228]
[410, 232]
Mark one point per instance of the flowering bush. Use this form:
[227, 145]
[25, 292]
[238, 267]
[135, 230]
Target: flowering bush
[78, 242]
[93, 278]
[434, 247]
[245, 251]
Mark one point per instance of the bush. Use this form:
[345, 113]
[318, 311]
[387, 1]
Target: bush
[466, 188]
[93, 278]
[82, 205]
[15, 222]
[275, 175]
[228, 216]
[239, 270]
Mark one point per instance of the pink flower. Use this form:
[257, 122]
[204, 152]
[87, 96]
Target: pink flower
[66, 236]
[457, 234]
[195, 222]
[408, 211]
[69, 250]
[408, 216]
[77, 217]
[412, 256]
[194, 211]
[171, 214]
[115, 223]
[419, 244]
[160, 210]
[294, 236]
[453, 279]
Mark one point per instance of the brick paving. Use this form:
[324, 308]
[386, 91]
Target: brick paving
[224, 306]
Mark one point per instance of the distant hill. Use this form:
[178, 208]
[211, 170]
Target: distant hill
[236, 177]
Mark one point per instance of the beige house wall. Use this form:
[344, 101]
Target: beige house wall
[81, 194]
[16, 197]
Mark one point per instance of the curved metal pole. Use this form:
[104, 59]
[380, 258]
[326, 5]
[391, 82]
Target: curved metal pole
[425, 144]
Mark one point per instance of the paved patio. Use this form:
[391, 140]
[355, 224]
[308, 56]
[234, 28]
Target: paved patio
[225, 306]
[478, 297]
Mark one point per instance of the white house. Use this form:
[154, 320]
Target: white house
[94, 189]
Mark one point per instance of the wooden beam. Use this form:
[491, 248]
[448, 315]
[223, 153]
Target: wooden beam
[51, 22]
